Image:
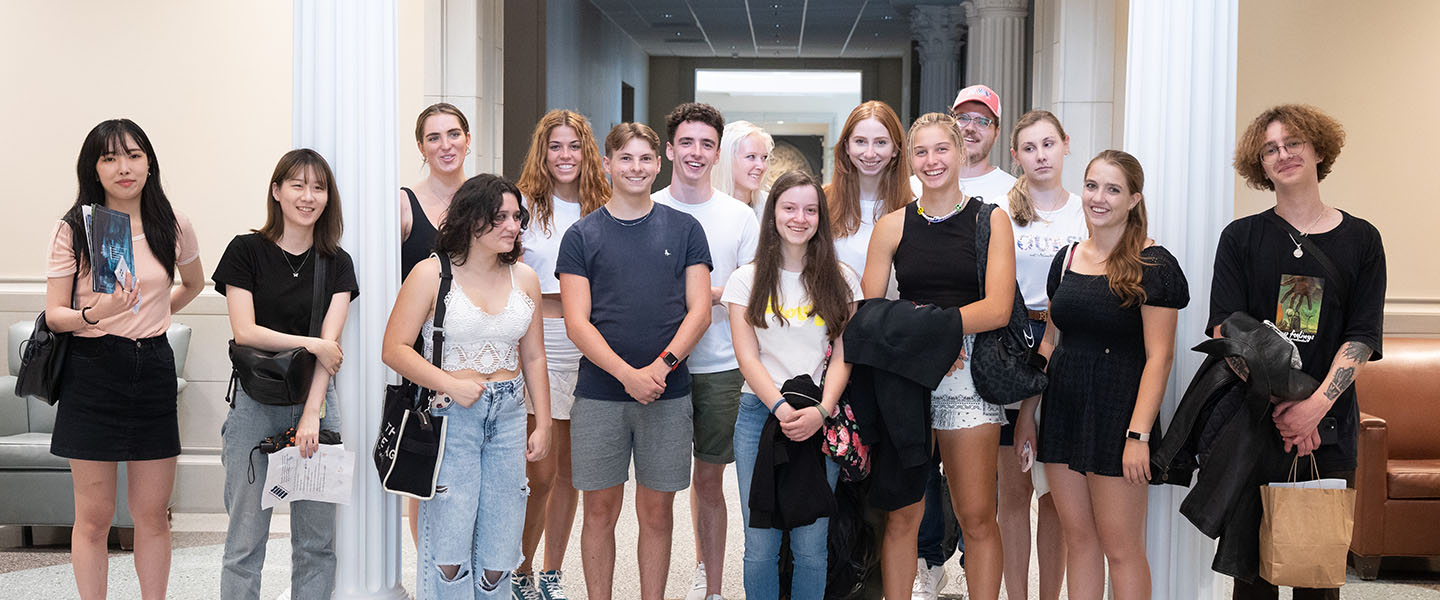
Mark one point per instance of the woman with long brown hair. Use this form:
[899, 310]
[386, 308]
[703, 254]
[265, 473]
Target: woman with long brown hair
[787, 308]
[1116, 297]
[562, 180]
[871, 179]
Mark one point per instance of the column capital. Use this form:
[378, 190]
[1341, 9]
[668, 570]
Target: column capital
[976, 9]
[937, 30]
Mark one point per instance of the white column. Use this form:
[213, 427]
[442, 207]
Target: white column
[464, 65]
[996, 58]
[937, 31]
[1180, 123]
[1074, 76]
[344, 107]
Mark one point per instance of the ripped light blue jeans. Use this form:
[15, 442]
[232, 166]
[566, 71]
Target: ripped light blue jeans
[483, 465]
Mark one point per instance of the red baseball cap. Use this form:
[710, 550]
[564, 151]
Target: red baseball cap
[978, 93]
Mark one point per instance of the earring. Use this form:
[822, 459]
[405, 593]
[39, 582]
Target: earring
[467, 151]
[424, 160]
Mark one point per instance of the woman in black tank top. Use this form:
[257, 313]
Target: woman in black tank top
[443, 136]
[931, 245]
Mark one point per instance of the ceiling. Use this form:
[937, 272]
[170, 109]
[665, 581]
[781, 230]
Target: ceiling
[764, 28]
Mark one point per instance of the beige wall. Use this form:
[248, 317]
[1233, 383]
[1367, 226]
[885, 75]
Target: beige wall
[1376, 68]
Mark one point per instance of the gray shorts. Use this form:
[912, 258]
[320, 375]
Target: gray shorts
[605, 434]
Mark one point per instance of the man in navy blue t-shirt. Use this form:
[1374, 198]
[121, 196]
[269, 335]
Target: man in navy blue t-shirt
[635, 285]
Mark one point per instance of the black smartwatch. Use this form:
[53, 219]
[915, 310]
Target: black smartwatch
[670, 360]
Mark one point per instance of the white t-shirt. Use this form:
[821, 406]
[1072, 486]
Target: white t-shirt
[732, 233]
[1037, 244]
[540, 248]
[798, 347]
[852, 249]
[992, 187]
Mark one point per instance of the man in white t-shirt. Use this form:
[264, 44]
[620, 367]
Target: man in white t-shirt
[693, 145]
[977, 110]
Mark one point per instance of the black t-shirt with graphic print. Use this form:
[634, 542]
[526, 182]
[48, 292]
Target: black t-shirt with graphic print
[1256, 272]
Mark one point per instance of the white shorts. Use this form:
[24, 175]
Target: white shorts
[955, 404]
[563, 366]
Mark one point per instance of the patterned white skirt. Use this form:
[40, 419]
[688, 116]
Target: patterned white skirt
[955, 404]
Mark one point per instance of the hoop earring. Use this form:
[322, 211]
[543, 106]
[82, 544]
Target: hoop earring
[467, 151]
[424, 160]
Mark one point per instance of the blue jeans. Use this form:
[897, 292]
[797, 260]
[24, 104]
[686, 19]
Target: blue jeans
[762, 546]
[483, 465]
[312, 524]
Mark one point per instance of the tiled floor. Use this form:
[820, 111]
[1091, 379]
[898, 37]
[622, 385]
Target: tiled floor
[43, 571]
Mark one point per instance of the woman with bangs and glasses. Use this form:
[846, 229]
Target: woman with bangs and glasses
[118, 399]
[442, 134]
[493, 355]
[787, 310]
[1269, 266]
[562, 181]
[1116, 297]
[268, 278]
[744, 158]
[931, 245]
[870, 181]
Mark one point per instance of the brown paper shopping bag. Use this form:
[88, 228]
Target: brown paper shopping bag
[1305, 533]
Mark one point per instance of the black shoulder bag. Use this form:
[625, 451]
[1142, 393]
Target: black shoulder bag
[411, 442]
[279, 378]
[42, 357]
[1006, 366]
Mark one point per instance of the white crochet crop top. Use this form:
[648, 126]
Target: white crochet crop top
[477, 340]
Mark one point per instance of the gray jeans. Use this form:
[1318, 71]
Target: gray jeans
[312, 524]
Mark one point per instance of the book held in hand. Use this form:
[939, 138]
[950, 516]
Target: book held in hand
[112, 252]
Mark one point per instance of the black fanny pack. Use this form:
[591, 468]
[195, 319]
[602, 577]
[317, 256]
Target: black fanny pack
[279, 378]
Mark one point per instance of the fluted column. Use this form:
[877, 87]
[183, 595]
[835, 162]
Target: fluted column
[936, 29]
[996, 58]
[344, 107]
[1180, 123]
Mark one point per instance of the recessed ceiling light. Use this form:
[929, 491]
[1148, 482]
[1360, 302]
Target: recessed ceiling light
[668, 15]
[779, 122]
[888, 18]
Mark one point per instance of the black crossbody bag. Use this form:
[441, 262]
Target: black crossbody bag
[42, 358]
[279, 378]
[411, 443]
[1006, 366]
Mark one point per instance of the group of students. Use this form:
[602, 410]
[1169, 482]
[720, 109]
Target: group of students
[591, 323]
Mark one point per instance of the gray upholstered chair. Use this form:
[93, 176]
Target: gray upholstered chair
[35, 486]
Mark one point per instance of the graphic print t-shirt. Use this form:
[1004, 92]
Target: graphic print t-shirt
[797, 347]
[1256, 272]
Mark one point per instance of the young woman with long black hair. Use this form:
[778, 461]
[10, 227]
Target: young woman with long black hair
[118, 402]
[786, 310]
[268, 278]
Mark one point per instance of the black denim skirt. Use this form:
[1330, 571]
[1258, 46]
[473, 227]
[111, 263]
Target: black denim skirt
[117, 400]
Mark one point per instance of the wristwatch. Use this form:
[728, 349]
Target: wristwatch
[1135, 435]
[670, 360]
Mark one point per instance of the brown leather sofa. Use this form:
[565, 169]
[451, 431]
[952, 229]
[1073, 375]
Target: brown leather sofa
[1397, 508]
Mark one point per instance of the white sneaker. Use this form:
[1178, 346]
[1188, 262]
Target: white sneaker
[928, 581]
[697, 585]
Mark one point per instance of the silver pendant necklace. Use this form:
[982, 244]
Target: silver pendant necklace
[1299, 252]
[295, 270]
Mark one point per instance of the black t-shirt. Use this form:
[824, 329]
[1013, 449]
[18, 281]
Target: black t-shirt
[636, 271]
[1256, 272]
[282, 300]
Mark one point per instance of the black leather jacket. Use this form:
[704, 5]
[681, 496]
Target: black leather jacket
[1223, 429]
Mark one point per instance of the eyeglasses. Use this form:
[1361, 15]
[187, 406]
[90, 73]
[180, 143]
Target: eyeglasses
[1271, 153]
[964, 119]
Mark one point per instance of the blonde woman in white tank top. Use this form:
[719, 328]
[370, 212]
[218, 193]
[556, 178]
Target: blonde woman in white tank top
[493, 354]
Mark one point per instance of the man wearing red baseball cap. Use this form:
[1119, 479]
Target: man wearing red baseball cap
[977, 111]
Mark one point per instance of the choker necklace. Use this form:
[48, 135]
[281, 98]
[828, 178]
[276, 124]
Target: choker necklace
[933, 220]
[622, 223]
[295, 270]
[1299, 252]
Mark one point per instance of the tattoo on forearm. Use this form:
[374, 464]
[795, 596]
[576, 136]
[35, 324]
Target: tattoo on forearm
[1356, 352]
[1343, 377]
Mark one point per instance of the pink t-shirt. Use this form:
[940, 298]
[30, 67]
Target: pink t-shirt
[153, 317]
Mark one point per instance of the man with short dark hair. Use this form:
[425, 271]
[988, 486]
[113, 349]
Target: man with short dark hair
[635, 288]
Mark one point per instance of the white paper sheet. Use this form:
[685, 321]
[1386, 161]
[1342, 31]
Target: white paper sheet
[326, 476]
